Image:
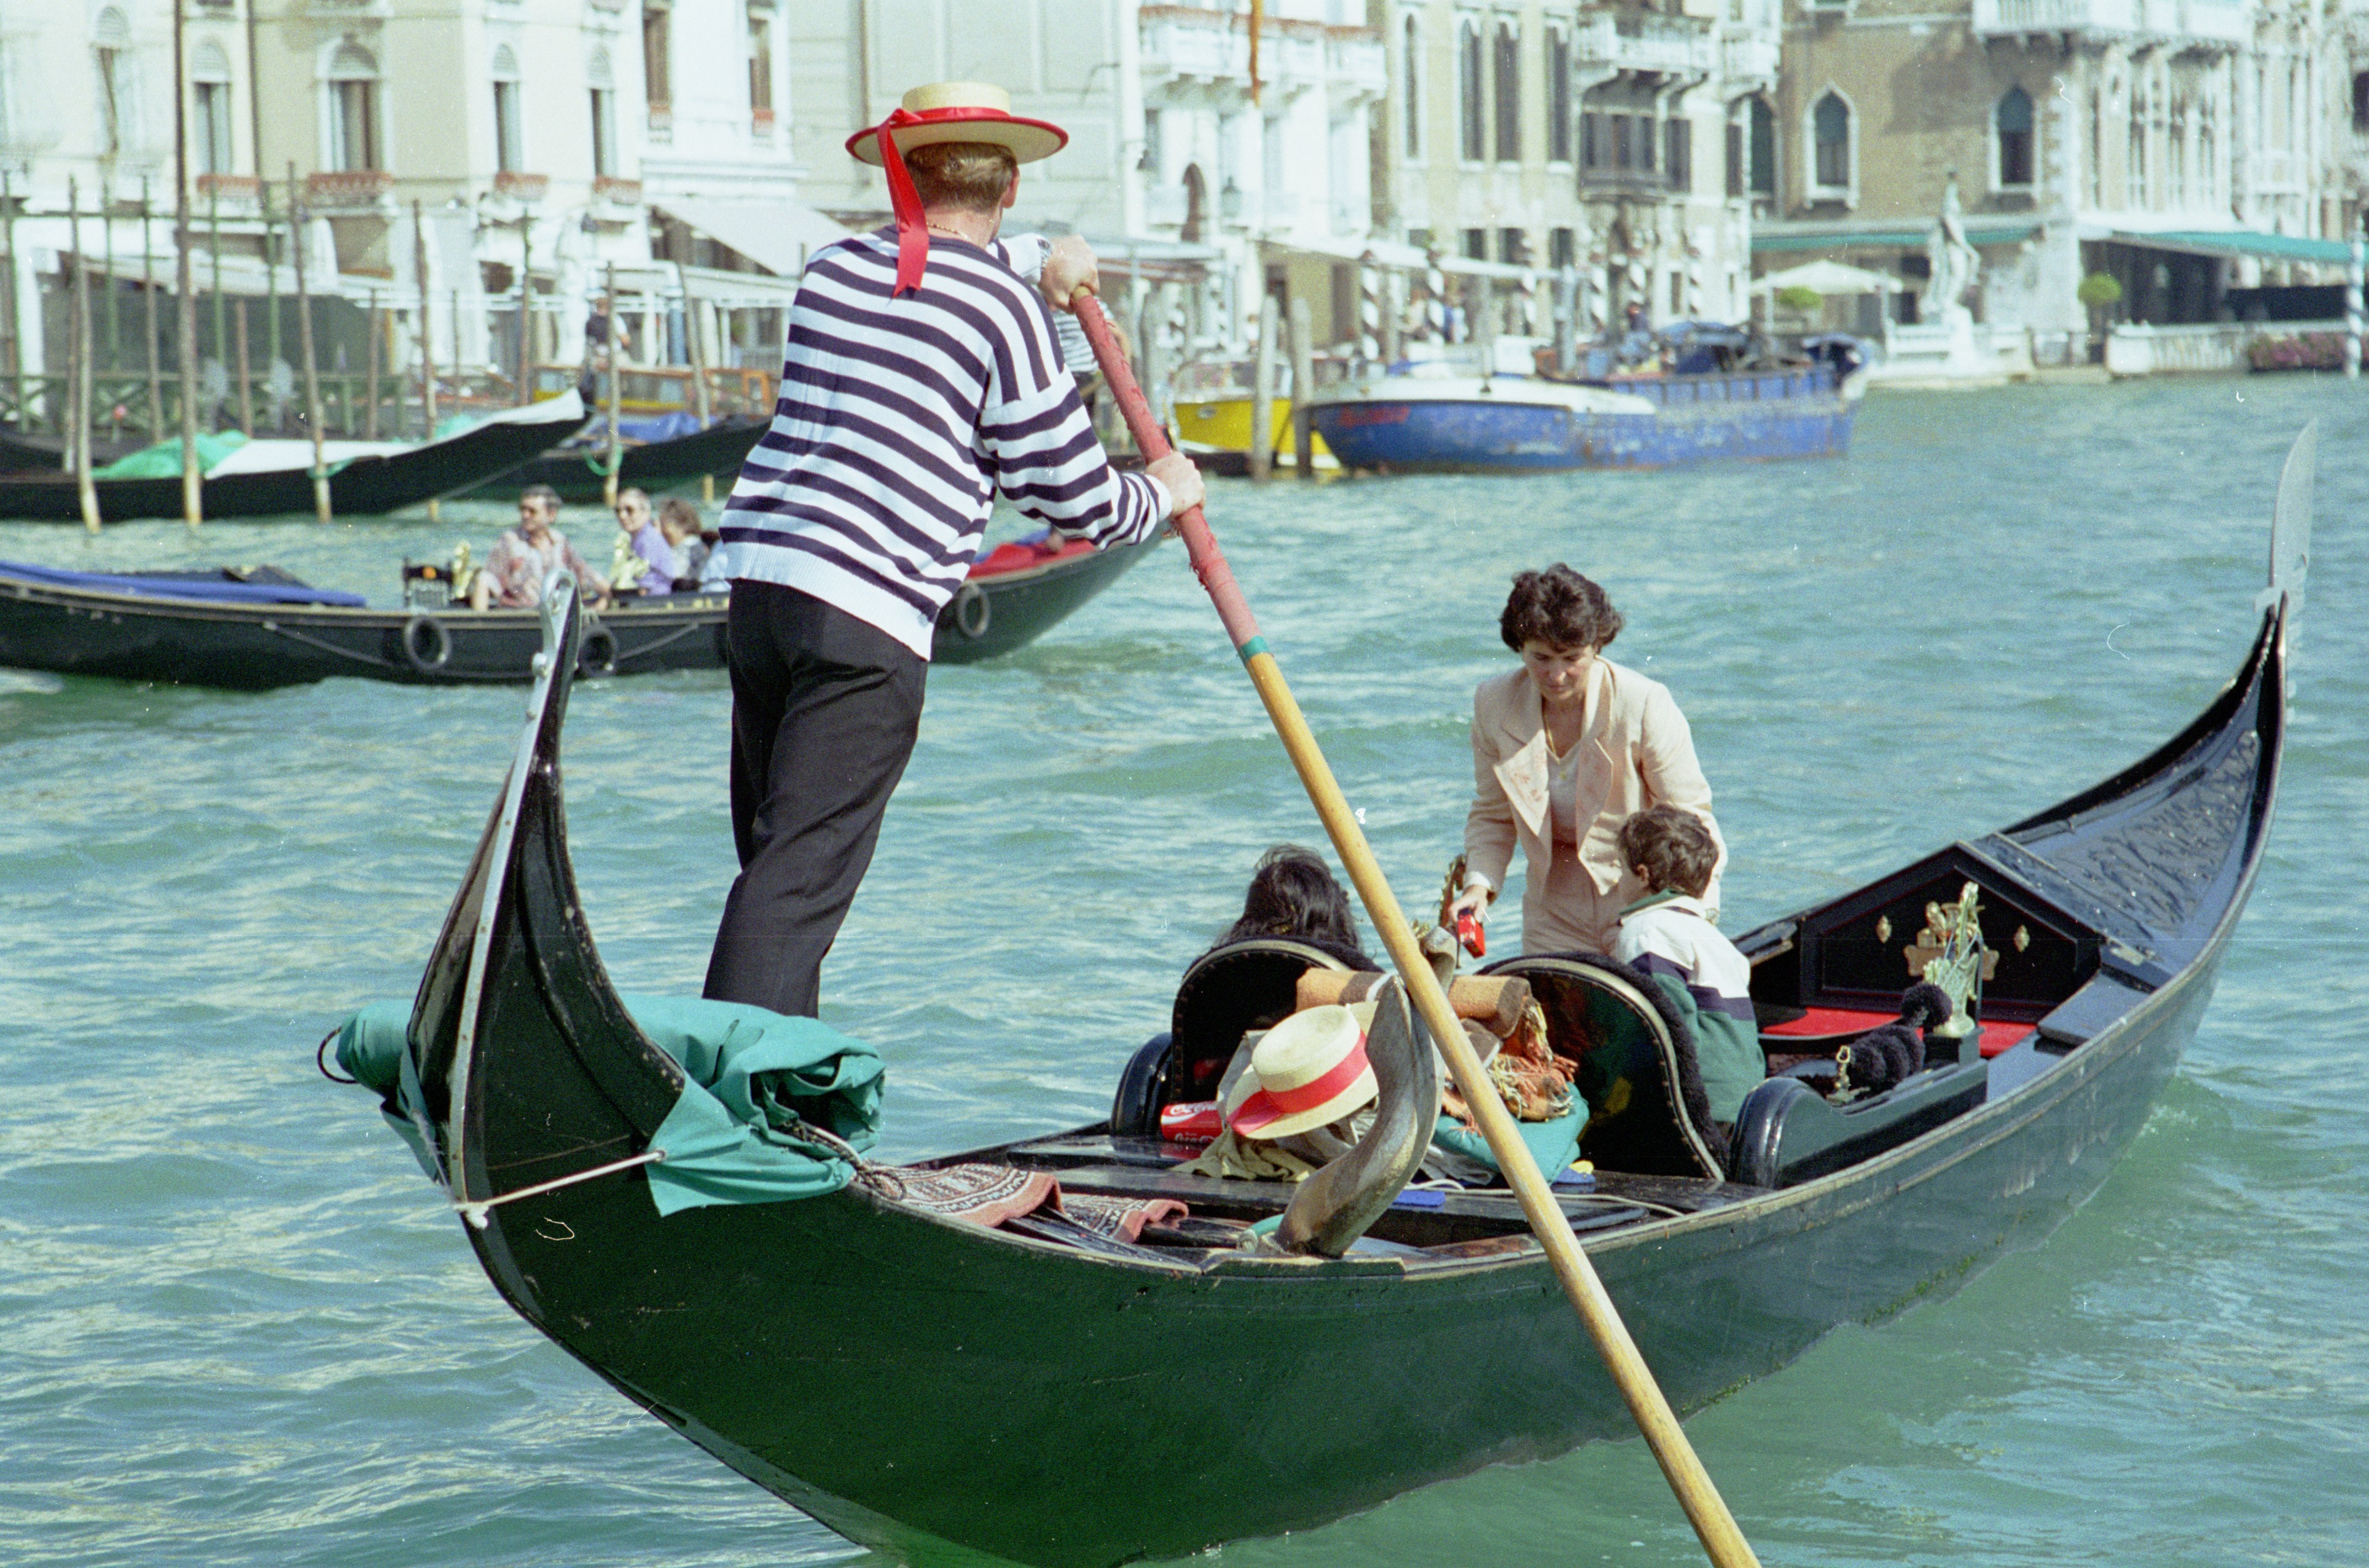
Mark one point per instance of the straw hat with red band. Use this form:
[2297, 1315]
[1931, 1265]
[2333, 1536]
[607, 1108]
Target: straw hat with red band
[1309, 1070]
[931, 116]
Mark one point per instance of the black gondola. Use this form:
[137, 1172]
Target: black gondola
[369, 485]
[1051, 1398]
[577, 470]
[285, 634]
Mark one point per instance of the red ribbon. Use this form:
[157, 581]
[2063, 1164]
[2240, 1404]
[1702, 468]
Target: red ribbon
[912, 225]
[1273, 1104]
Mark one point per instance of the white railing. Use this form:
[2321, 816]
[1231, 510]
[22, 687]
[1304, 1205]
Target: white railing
[1645, 40]
[1748, 58]
[2205, 347]
[2218, 22]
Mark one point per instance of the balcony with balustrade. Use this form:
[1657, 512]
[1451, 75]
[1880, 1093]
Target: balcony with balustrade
[1616, 40]
[1185, 46]
[349, 190]
[1747, 62]
[2224, 22]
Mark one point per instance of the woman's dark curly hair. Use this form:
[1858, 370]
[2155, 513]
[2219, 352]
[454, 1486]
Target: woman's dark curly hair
[1558, 608]
[1293, 894]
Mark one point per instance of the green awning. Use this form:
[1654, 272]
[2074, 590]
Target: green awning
[2243, 242]
[1889, 239]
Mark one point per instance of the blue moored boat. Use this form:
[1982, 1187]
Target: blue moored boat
[1433, 418]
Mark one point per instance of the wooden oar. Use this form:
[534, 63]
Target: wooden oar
[1705, 1510]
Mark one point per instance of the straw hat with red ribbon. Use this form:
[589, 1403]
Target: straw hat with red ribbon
[942, 112]
[1307, 1070]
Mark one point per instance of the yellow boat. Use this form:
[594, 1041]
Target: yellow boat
[1213, 416]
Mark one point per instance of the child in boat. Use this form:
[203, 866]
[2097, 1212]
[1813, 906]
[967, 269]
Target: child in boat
[1668, 936]
[1293, 894]
[679, 520]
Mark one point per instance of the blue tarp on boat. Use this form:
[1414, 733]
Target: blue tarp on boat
[209, 591]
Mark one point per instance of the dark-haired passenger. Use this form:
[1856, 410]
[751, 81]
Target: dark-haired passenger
[1564, 750]
[1294, 894]
[524, 556]
[1669, 936]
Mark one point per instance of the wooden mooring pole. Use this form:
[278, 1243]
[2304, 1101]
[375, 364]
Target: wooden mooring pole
[1303, 386]
[78, 396]
[193, 510]
[296, 233]
[1262, 393]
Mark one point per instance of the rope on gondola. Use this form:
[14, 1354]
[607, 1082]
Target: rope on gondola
[295, 637]
[479, 1211]
[321, 1057]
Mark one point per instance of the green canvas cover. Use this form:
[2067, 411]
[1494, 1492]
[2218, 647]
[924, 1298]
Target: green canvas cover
[754, 1075]
[162, 461]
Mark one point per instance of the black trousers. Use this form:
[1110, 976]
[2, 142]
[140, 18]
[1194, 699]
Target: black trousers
[825, 710]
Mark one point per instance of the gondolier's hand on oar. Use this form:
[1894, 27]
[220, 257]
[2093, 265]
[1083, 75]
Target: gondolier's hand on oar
[1069, 272]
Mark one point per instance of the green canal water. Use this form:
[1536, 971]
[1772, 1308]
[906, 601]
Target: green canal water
[236, 1328]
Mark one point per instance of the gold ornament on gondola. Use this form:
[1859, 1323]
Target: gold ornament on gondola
[1950, 953]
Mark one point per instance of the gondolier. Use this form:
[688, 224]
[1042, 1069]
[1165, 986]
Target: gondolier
[922, 376]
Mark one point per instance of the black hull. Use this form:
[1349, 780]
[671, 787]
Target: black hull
[1021, 606]
[257, 647]
[717, 452]
[366, 486]
[911, 1381]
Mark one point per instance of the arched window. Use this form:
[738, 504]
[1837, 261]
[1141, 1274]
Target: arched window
[603, 84]
[111, 49]
[2134, 193]
[2361, 100]
[1830, 128]
[2012, 120]
[354, 140]
[209, 137]
[1508, 63]
[510, 151]
[1558, 116]
[1763, 134]
[1196, 205]
[1471, 86]
[1411, 83]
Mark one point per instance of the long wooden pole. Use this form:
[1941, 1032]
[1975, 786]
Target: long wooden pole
[1303, 387]
[296, 233]
[1705, 1510]
[427, 339]
[193, 506]
[16, 329]
[78, 399]
[372, 372]
[245, 369]
[616, 380]
[148, 329]
[1262, 393]
[526, 310]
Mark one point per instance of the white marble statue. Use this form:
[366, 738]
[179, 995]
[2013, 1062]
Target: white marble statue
[1956, 263]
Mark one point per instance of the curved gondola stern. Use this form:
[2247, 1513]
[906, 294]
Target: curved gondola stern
[525, 1068]
[2164, 854]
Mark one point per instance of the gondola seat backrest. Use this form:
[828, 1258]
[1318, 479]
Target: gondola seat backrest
[1646, 1111]
[1229, 991]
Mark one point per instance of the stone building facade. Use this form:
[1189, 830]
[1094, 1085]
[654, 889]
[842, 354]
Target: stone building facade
[1616, 138]
[2186, 147]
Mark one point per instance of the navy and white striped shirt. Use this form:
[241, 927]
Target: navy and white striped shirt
[898, 421]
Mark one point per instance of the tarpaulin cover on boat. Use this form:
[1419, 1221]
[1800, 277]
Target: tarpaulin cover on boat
[1554, 1144]
[217, 592]
[754, 1075]
[162, 461]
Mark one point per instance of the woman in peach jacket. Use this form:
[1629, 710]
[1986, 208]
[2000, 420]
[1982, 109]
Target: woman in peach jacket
[1563, 750]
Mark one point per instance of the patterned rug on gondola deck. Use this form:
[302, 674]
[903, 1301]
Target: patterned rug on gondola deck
[989, 1195]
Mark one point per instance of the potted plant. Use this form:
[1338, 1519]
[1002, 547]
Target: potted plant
[2100, 291]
